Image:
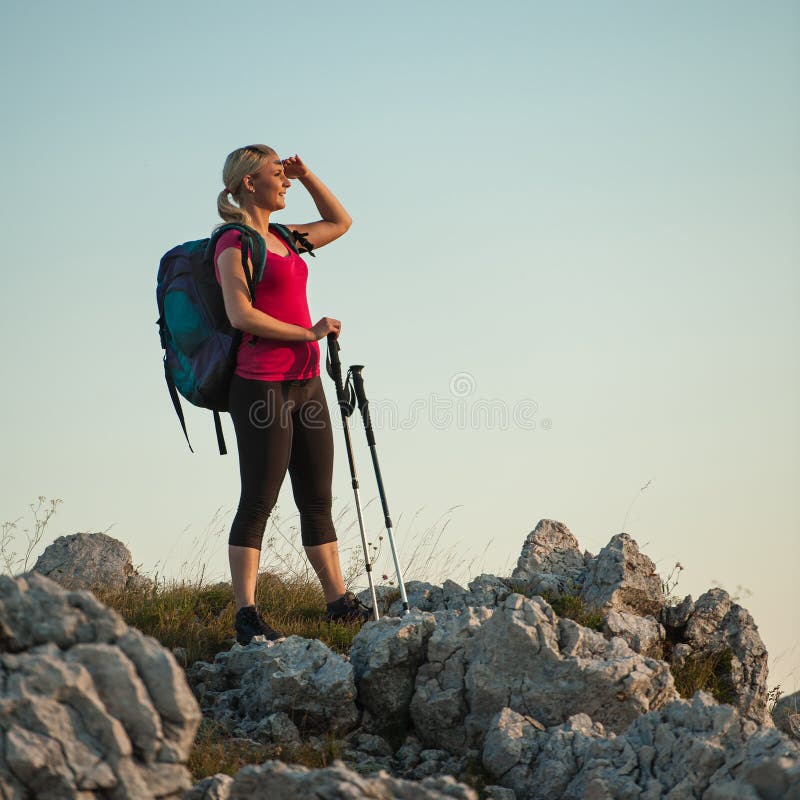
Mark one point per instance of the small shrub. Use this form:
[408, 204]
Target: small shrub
[710, 672]
[475, 775]
[215, 751]
[316, 756]
[10, 563]
[572, 607]
[773, 695]
[655, 650]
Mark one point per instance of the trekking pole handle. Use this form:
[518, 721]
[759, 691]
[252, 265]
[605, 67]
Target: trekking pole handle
[363, 403]
[334, 368]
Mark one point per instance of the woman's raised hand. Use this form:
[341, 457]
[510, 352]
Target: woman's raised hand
[325, 326]
[293, 167]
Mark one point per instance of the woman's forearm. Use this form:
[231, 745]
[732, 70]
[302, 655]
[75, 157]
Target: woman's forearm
[330, 209]
[260, 324]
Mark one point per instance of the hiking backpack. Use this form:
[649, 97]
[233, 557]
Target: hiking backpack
[199, 341]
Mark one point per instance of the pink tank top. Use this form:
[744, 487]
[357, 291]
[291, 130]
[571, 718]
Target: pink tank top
[281, 293]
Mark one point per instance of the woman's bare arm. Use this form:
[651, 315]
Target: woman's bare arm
[240, 310]
[335, 220]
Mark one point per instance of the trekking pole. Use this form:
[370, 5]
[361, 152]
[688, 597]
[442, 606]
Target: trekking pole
[346, 406]
[363, 405]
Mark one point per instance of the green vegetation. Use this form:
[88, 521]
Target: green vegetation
[710, 672]
[200, 617]
[215, 751]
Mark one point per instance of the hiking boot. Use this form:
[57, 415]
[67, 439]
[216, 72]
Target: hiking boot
[348, 608]
[249, 624]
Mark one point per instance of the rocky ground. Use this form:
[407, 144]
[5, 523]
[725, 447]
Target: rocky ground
[481, 691]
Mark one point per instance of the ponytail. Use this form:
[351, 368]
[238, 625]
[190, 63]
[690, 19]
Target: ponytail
[230, 212]
[242, 161]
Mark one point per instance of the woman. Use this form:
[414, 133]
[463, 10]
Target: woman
[276, 400]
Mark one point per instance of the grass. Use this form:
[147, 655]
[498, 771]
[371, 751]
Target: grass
[708, 671]
[215, 751]
[200, 618]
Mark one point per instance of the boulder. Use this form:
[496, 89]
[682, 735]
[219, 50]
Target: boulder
[527, 658]
[214, 787]
[89, 561]
[718, 626]
[551, 560]
[786, 715]
[90, 706]
[622, 578]
[645, 635]
[274, 780]
[467, 664]
[488, 590]
[440, 705]
[385, 595]
[687, 748]
[421, 595]
[385, 656]
[299, 677]
[485, 590]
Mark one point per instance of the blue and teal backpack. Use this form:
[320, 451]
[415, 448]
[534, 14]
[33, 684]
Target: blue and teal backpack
[199, 342]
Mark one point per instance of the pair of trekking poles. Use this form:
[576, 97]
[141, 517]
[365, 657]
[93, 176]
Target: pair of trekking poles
[347, 397]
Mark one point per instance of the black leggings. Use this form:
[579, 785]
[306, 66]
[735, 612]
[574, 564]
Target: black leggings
[280, 425]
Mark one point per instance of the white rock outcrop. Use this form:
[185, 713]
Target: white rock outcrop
[688, 748]
[301, 678]
[90, 707]
[274, 780]
[88, 561]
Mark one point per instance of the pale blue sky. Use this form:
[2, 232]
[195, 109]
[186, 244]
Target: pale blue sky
[590, 208]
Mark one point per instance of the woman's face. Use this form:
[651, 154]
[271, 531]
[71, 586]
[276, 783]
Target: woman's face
[270, 185]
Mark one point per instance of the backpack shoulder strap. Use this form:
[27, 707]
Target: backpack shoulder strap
[252, 244]
[173, 393]
[293, 237]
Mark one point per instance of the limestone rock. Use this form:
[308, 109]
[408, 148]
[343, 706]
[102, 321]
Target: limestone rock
[527, 658]
[645, 635]
[551, 560]
[385, 656]
[383, 593]
[786, 715]
[485, 590]
[676, 617]
[214, 787]
[688, 748]
[421, 595]
[90, 707]
[274, 780]
[440, 705]
[88, 561]
[718, 625]
[302, 678]
[622, 578]
[523, 655]
[488, 590]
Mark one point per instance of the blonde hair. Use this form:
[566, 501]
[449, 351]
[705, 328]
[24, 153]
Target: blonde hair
[242, 161]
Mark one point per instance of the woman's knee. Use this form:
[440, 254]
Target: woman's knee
[250, 522]
[316, 522]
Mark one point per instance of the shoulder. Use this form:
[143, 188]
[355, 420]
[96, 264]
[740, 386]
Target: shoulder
[230, 238]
